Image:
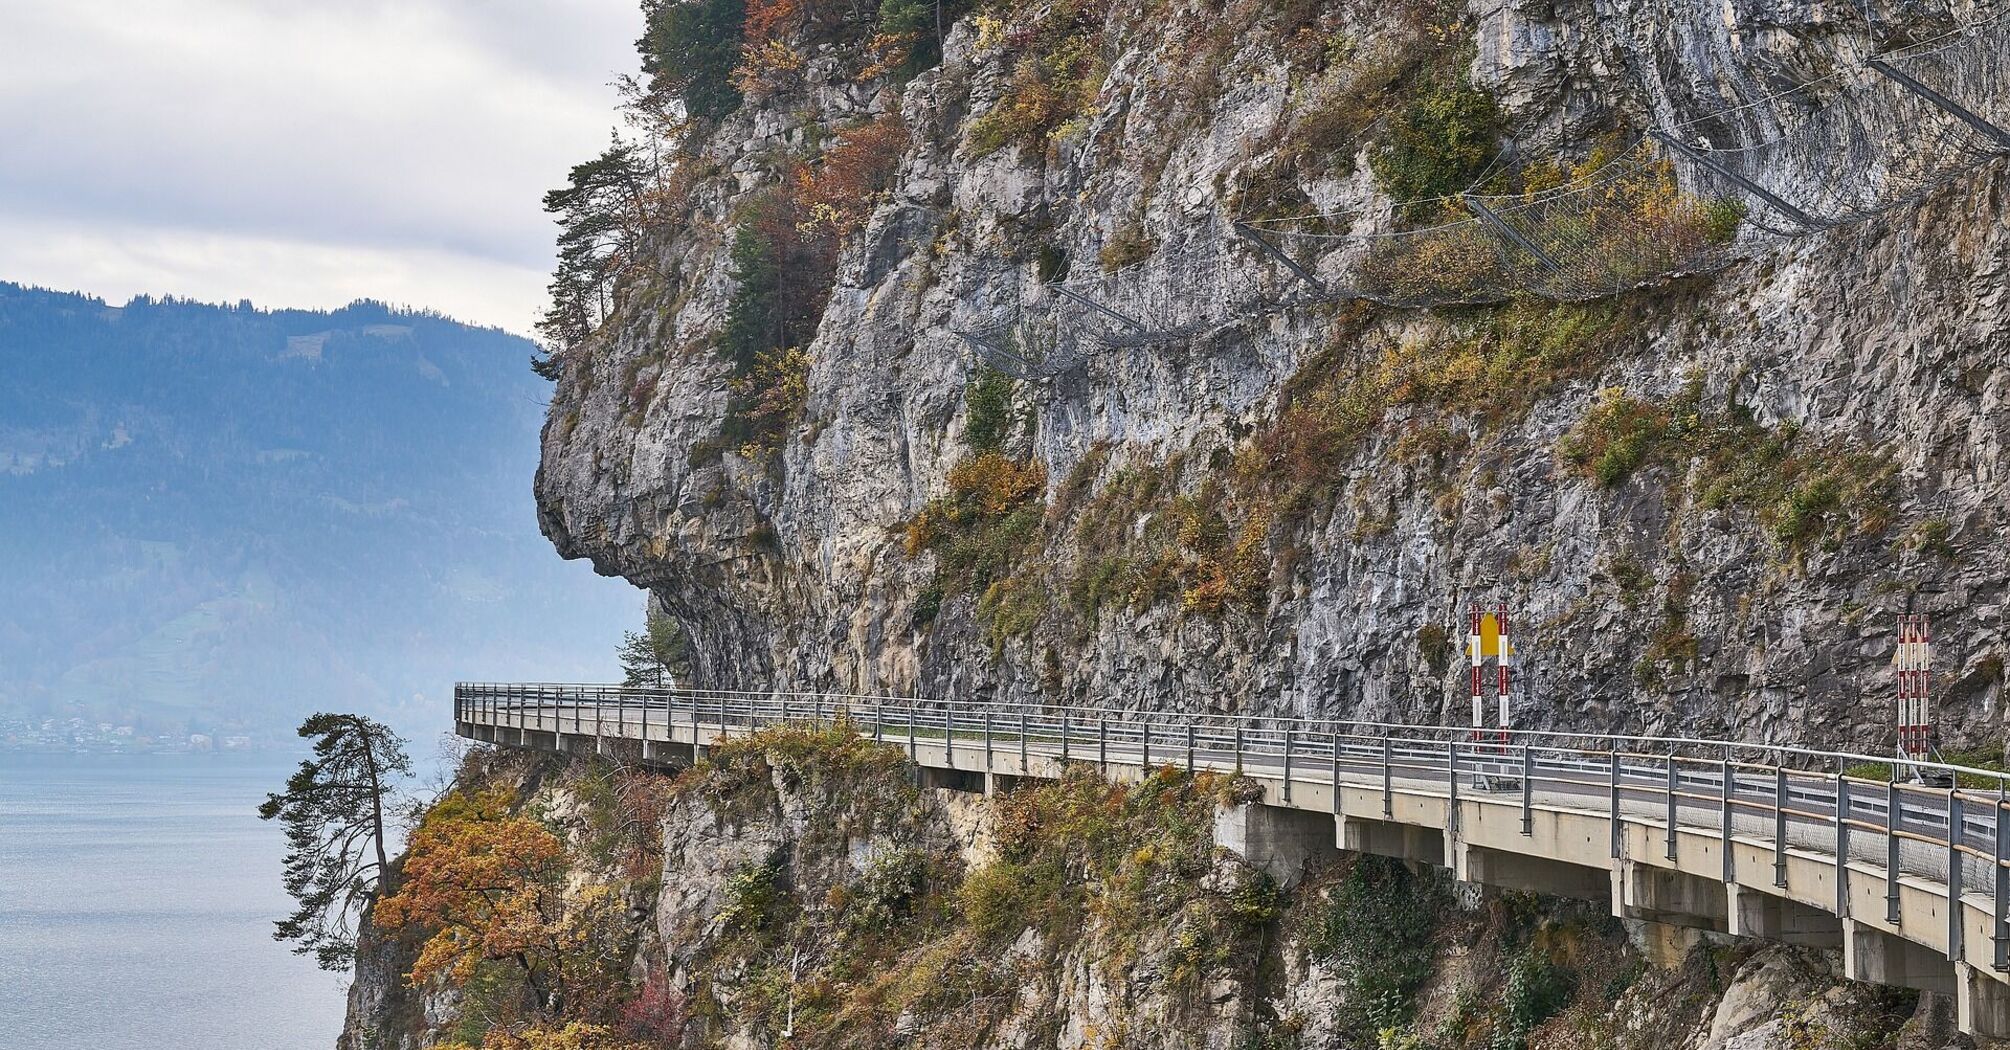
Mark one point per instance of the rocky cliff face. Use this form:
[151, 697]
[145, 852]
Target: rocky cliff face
[798, 890]
[1705, 499]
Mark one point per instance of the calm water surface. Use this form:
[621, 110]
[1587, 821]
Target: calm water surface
[137, 895]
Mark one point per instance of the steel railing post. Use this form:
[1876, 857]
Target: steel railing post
[1673, 801]
[1726, 845]
[949, 731]
[1147, 745]
[878, 722]
[1024, 769]
[1842, 841]
[1612, 821]
[987, 738]
[1892, 819]
[1999, 896]
[1238, 749]
[1103, 747]
[1067, 730]
[1189, 749]
[1388, 780]
[1287, 765]
[1335, 773]
[913, 750]
[1955, 925]
[1780, 822]
[1527, 792]
[784, 697]
[1452, 778]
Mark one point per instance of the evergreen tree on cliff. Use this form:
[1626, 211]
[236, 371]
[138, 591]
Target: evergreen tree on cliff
[655, 659]
[333, 811]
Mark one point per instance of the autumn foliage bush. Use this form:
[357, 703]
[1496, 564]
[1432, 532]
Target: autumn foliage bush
[485, 884]
[1057, 72]
[837, 194]
[1803, 491]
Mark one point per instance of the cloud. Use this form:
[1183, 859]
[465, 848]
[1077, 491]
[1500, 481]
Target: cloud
[298, 153]
[118, 262]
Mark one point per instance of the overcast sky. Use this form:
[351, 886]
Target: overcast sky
[300, 152]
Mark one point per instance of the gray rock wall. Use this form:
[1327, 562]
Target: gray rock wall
[1885, 337]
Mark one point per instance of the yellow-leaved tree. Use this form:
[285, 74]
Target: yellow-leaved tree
[486, 884]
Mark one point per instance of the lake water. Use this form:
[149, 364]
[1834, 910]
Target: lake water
[137, 895]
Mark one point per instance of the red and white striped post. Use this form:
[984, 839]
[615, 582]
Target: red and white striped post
[1487, 637]
[1914, 666]
[1474, 650]
[1506, 660]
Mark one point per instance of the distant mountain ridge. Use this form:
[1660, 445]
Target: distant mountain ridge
[215, 518]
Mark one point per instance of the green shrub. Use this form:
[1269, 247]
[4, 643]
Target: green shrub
[986, 526]
[988, 410]
[1014, 606]
[752, 897]
[1127, 247]
[1801, 492]
[1439, 144]
[1378, 926]
[1536, 990]
[1615, 438]
[1003, 898]
[888, 892]
[782, 281]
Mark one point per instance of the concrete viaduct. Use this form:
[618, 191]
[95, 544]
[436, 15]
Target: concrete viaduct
[1692, 839]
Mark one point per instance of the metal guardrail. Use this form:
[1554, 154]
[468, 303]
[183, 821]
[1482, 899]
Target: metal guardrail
[1787, 797]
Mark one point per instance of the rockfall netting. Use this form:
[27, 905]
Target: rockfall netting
[1878, 133]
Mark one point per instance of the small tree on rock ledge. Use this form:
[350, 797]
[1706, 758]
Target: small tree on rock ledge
[333, 811]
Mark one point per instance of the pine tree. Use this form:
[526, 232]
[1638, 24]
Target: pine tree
[601, 213]
[656, 657]
[690, 49]
[333, 812]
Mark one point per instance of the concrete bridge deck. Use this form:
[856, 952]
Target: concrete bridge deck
[1692, 838]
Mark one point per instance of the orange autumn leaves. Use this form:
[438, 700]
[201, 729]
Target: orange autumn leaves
[839, 192]
[492, 885]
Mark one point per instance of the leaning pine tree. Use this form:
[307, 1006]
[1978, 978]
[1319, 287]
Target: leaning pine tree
[333, 810]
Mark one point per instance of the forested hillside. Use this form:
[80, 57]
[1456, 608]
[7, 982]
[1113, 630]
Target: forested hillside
[214, 519]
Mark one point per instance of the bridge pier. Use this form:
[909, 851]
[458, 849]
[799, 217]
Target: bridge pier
[1279, 840]
[668, 753]
[965, 780]
[1672, 898]
[1876, 957]
[1387, 838]
[1981, 1003]
[998, 783]
[1753, 913]
[1517, 871]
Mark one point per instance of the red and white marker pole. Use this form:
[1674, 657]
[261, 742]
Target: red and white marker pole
[1913, 664]
[1506, 661]
[1479, 657]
